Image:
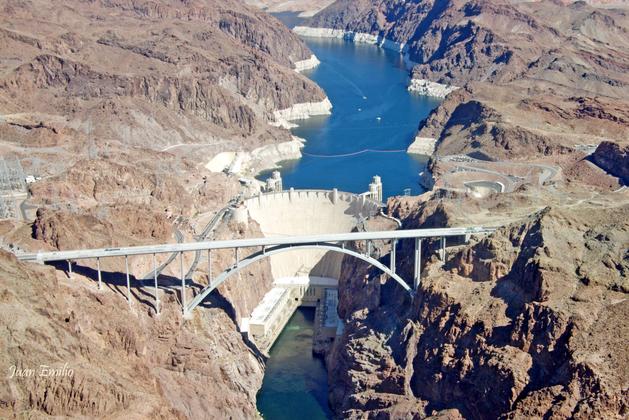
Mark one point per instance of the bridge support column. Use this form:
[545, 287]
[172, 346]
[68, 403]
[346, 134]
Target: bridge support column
[236, 256]
[442, 248]
[69, 268]
[369, 250]
[209, 267]
[155, 284]
[393, 249]
[100, 277]
[126, 264]
[418, 264]
[183, 284]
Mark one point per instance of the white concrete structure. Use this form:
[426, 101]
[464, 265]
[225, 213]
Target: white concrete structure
[269, 318]
[375, 189]
[274, 311]
[308, 212]
[274, 182]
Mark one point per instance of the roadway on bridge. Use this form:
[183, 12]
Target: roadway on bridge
[251, 243]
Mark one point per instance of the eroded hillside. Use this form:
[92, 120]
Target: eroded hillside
[118, 106]
[536, 78]
[526, 323]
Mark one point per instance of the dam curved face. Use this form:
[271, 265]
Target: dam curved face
[309, 212]
[303, 277]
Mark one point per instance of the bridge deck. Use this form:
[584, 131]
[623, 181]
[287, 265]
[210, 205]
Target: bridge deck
[248, 243]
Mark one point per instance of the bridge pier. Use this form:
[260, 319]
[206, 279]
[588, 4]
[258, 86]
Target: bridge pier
[183, 284]
[209, 267]
[126, 263]
[155, 284]
[369, 250]
[100, 277]
[69, 268]
[442, 248]
[418, 264]
[393, 247]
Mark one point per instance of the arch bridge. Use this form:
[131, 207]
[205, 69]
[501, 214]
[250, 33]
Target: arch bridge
[263, 248]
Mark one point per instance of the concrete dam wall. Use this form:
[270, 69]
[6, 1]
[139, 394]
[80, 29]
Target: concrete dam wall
[307, 212]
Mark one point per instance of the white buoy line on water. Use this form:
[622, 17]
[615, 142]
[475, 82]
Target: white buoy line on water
[360, 152]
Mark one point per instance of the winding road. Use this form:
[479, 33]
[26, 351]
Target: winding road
[150, 274]
[207, 230]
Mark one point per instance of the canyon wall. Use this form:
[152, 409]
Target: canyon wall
[526, 323]
[549, 86]
[114, 360]
[118, 106]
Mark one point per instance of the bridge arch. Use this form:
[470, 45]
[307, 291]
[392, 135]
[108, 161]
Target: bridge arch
[257, 256]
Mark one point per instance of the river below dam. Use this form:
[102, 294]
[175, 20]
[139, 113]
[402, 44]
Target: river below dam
[373, 121]
[295, 381]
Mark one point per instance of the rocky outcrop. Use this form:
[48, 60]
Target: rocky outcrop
[76, 351]
[544, 80]
[359, 37]
[305, 8]
[510, 327]
[230, 90]
[301, 111]
[121, 225]
[251, 163]
[422, 146]
[613, 159]
[307, 64]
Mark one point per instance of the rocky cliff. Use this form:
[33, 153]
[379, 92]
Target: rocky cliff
[546, 75]
[118, 106]
[70, 350]
[526, 323]
[218, 63]
[613, 159]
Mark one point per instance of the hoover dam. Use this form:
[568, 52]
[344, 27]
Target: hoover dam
[301, 277]
[367, 210]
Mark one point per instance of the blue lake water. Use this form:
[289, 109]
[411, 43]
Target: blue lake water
[373, 121]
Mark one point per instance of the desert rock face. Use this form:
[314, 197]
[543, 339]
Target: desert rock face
[118, 106]
[614, 159]
[527, 322]
[540, 77]
[126, 363]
